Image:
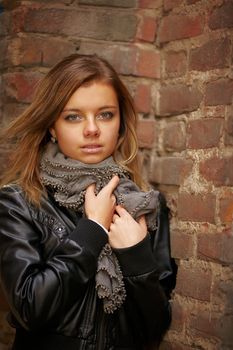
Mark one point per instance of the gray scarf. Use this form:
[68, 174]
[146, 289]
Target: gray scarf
[69, 178]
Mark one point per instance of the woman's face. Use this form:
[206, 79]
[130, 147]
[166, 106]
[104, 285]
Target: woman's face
[88, 128]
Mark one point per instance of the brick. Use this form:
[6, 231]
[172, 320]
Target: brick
[229, 127]
[204, 133]
[142, 98]
[39, 20]
[224, 291]
[226, 207]
[194, 282]
[123, 58]
[147, 29]
[196, 207]
[174, 136]
[5, 26]
[177, 99]
[191, 2]
[169, 170]
[146, 133]
[3, 53]
[179, 315]
[213, 54]
[20, 86]
[218, 170]
[66, 2]
[83, 23]
[9, 5]
[32, 51]
[171, 4]
[215, 247]
[112, 3]
[219, 92]
[182, 245]
[175, 27]
[149, 4]
[11, 111]
[19, 16]
[208, 323]
[1, 92]
[24, 51]
[175, 63]
[222, 17]
[148, 64]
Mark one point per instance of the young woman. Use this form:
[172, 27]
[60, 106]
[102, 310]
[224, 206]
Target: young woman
[49, 250]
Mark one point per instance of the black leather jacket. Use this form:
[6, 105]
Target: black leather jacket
[47, 271]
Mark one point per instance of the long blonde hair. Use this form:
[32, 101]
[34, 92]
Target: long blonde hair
[30, 131]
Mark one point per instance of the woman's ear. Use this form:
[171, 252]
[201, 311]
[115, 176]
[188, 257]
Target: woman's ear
[52, 132]
[53, 135]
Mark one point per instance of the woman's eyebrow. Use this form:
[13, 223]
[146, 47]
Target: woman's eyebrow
[99, 109]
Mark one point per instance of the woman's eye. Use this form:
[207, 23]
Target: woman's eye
[105, 115]
[73, 117]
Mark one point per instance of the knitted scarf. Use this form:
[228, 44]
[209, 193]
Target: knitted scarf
[69, 179]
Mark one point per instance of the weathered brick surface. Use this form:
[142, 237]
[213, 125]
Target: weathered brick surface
[117, 3]
[20, 86]
[229, 127]
[176, 58]
[175, 63]
[198, 208]
[146, 133]
[82, 23]
[177, 99]
[170, 4]
[148, 64]
[142, 98]
[204, 133]
[33, 51]
[219, 92]
[174, 27]
[5, 23]
[149, 4]
[218, 170]
[123, 58]
[194, 282]
[147, 28]
[179, 316]
[214, 54]
[170, 170]
[215, 247]
[182, 245]
[226, 207]
[222, 17]
[174, 136]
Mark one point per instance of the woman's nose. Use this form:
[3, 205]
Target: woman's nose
[91, 128]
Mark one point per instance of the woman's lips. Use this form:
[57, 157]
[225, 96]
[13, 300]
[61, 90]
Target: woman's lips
[91, 148]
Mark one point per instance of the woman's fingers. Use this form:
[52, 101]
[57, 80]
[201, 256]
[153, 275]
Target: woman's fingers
[90, 192]
[124, 230]
[110, 187]
[101, 207]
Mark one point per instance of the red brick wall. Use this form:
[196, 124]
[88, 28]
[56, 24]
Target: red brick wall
[176, 57]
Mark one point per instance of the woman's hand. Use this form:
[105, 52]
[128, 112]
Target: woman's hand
[124, 230]
[101, 207]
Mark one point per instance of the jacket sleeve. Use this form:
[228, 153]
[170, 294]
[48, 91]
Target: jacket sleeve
[38, 289]
[145, 268]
